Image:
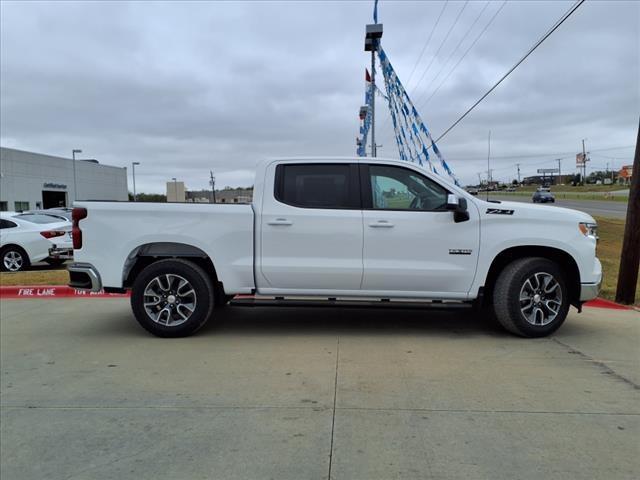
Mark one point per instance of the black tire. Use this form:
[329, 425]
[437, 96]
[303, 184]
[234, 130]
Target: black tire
[14, 252]
[512, 281]
[55, 262]
[202, 298]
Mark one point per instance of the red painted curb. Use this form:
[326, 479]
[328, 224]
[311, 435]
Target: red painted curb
[63, 291]
[602, 303]
[52, 291]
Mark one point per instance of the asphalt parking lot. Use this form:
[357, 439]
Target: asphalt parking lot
[287, 393]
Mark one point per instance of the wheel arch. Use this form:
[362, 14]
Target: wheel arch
[144, 255]
[561, 257]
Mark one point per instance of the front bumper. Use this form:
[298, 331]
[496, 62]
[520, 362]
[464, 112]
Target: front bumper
[84, 276]
[589, 291]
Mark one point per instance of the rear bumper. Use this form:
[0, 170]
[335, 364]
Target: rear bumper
[63, 253]
[84, 276]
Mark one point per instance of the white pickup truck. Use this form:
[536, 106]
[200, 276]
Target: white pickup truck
[358, 230]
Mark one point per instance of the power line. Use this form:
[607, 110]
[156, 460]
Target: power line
[455, 22]
[465, 53]
[531, 50]
[424, 48]
[435, 55]
[453, 52]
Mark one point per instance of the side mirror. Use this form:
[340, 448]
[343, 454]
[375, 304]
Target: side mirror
[453, 202]
[459, 207]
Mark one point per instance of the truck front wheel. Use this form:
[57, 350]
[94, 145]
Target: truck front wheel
[530, 297]
[172, 298]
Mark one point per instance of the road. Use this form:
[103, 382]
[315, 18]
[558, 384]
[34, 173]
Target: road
[600, 208]
[315, 394]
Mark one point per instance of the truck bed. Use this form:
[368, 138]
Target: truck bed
[114, 232]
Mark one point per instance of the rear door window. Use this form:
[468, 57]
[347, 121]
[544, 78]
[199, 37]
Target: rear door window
[7, 224]
[329, 185]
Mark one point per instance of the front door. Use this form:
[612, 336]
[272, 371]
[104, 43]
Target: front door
[311, 229]
[412, 245]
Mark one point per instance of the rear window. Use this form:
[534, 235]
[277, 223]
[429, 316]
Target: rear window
[38, 218]
[317, 185]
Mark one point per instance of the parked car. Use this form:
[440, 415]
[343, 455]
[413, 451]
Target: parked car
[27, 238]
[543, 197]
[61, 212]
[374, 230]
[473, 191]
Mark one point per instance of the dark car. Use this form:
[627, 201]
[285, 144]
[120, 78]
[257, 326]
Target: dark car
[543, 197]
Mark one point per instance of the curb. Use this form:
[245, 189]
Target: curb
[63, 291]
[53, 291]
[603, 303]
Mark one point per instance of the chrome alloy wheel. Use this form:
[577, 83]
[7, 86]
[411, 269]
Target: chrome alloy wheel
[12, 261]
[169, 300]
[540, 299]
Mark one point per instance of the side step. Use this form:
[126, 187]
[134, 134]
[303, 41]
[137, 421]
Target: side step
[250, 301]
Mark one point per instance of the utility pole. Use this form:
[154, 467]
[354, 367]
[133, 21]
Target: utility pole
[213, 186]
[630, 256]
[559, 160]
[479, 179]
[371, 43]
[518, 165]
[488, 164]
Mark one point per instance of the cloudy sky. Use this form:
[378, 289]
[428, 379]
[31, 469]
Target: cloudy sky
[188, 87]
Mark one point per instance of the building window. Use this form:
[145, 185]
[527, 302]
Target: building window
[21, 206]
[4, 206]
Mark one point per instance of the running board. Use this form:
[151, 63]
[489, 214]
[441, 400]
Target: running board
[242, 301]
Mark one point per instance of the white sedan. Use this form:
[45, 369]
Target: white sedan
[29, 238]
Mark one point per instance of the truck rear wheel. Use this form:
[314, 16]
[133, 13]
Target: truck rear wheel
[530, 297]
[172, 298]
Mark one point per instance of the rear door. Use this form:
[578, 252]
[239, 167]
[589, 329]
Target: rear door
[412, 245]
[311, 229]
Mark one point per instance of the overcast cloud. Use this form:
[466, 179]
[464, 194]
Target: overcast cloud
[188, 87]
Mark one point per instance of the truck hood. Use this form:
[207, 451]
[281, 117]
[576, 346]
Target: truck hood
[537, 211]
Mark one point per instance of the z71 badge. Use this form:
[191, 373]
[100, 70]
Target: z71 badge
[459, 251]
[499, 211]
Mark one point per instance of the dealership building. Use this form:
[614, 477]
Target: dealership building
[31, 181]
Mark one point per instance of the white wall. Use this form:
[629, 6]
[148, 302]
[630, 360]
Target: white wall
[23, 175]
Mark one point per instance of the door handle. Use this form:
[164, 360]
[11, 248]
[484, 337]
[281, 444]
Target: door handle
[381, 224]
[280, 221]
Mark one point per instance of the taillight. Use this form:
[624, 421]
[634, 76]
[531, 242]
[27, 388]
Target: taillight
[77, 215]
[52, 233]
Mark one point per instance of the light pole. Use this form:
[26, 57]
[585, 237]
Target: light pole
[133, 169]
[371, 44]
[75, 186]
[175, 188]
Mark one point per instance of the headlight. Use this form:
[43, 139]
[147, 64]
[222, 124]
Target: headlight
[589, 229]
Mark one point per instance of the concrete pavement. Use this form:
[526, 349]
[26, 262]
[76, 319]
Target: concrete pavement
[289, 393]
